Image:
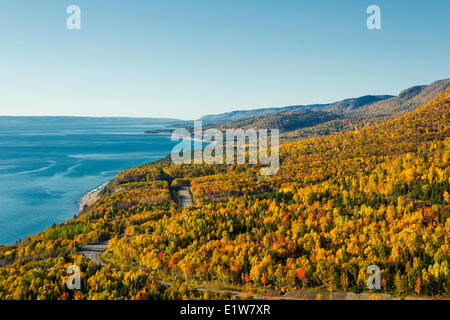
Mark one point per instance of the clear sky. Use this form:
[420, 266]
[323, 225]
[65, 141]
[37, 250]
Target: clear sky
[187, 58]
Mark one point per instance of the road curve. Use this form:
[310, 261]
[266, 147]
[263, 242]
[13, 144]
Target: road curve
[92, 251]
[184, 197]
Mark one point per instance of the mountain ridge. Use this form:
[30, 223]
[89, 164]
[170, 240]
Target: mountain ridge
[346, 104]
[377, 105]
[346, 115]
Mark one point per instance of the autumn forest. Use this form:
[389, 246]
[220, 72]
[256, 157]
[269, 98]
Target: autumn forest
[376, 193]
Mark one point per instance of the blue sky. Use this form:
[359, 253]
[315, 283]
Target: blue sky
[185, 59]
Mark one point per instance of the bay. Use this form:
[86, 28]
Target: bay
[47, 164]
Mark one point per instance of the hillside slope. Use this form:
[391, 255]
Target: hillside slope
[370, 105]
[328, 119]
[339, 106]
[406, 101]
[285, 122]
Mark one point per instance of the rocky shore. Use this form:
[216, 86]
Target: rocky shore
[92, 196]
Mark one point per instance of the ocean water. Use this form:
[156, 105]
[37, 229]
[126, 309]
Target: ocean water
[48, 164]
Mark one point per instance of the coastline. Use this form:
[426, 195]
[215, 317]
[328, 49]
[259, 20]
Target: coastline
[91, 197]
[95, 194]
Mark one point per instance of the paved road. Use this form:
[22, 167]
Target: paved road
[92, 251]
[184, 197]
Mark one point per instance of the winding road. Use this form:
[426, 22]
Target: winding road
[184, 197]
[92, 251]
[184, 200]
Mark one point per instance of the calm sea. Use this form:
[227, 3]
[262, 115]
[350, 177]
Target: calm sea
[48, 164]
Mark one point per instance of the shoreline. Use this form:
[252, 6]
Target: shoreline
[94, 195]
[91, 197]
[86, 200]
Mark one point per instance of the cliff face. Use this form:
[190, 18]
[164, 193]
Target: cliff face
[90, 198]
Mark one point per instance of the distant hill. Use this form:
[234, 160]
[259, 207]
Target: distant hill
[406, 101]
[343, 106]
[378, 112]
[285, 122]
[333, 118]
[349, 110]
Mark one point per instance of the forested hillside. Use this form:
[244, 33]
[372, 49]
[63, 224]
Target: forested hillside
[343, 106]
[379, 195]
[285, 122]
